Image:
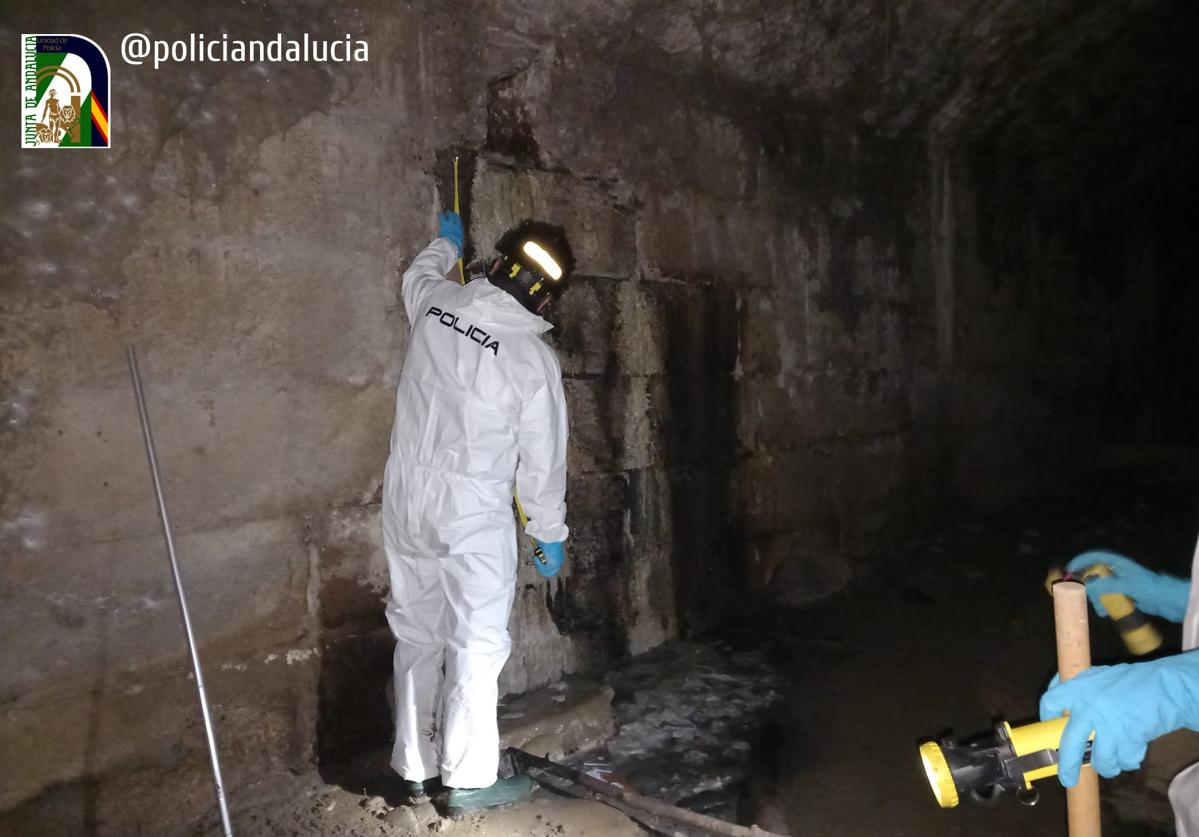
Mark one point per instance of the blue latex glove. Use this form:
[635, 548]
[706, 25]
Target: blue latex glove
[1155, 593]
[1127, 706]
[449, 225]
[555, 557]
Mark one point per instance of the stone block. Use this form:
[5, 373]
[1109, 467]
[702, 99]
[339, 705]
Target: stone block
[596, 508]
[693, 404]
[353, 569]
[839, 403]
[597, 513]
[605, 328]
[118, 606]
[567, 716]
[612, 423]
[813, 405]
[845, 487]
[668, 241]
[639, 339]
[856, 332]
[696, 237]
[647, 614]
[618, 564]
[772, 332]
[584, 325]
[592, 443]
[227, 454]
[805, 501]
[770, 414]
[704, 534]
[540, 652]
[699, 326]
[353, 693]
[136, 737]
[600, 229]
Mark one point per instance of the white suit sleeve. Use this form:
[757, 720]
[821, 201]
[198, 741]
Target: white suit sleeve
[429, 267]
[541, 472]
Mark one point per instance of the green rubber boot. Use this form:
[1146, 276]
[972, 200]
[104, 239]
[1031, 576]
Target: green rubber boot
[503, 792]
[419, 790]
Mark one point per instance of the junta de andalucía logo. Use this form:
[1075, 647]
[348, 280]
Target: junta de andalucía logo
[65, 84]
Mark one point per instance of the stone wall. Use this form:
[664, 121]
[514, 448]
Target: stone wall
[776, 349]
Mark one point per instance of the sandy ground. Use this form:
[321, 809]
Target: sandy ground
[689, 717]
[332, 811]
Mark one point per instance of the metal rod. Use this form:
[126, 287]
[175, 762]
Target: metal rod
[636, 800]
[148, 438]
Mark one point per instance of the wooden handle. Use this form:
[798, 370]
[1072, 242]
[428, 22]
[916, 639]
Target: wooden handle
[1073, 635]
[1073, 656]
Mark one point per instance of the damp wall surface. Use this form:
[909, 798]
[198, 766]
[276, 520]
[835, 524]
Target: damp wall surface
[788, 336]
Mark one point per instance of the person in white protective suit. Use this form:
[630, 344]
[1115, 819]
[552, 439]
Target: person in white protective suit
[479, 411]
[1129, 705]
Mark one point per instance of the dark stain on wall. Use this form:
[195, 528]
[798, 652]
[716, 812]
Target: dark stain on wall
[699, 439]
[353, 714]
[509, 129]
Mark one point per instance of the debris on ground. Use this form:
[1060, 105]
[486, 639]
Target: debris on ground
[688, 716]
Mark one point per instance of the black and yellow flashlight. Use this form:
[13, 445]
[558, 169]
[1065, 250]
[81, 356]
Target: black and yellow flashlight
[1007, 759]
[1140, 635]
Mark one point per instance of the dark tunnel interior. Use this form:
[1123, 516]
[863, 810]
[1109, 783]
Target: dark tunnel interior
[881, 311]
[1067, 162]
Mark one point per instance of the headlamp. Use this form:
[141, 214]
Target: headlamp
[542, 259]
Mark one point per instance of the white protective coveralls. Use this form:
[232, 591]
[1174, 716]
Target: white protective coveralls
[1184, 790]
[479, 404]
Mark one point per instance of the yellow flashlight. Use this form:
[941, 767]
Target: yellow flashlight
[1006, 759]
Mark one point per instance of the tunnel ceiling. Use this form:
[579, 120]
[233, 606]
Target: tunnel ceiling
[885, 63]
[1065, 84]
[1113, 117]
[1097, 145]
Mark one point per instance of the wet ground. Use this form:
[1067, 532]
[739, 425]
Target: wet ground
[808, 723]
[689, 717]
[951, 632]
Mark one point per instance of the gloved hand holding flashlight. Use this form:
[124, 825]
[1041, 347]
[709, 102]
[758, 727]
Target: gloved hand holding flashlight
[555, 557]
[1126, 706]
[1154, 593]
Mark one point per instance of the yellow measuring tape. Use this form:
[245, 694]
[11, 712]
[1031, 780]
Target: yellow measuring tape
[461, 272]
[524, 522]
